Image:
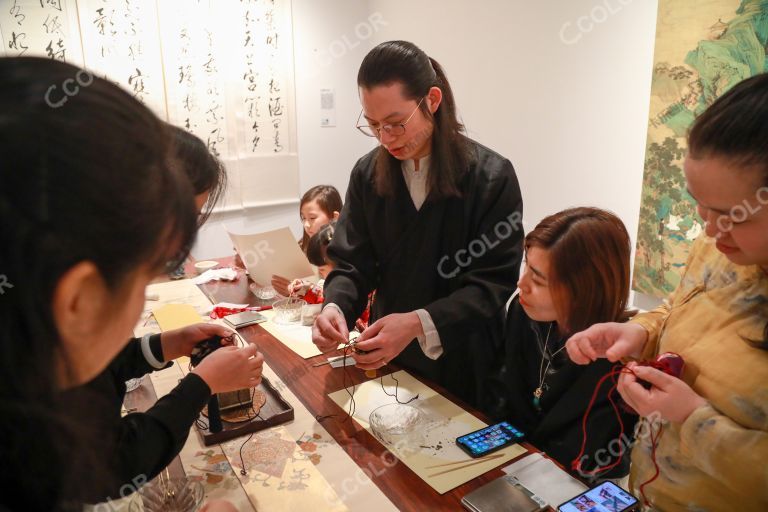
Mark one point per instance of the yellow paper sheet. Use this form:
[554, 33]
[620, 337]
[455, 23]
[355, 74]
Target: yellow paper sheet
[183, 291]
[431, 452]
[175, 316]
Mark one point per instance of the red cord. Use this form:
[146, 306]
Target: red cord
[576, 463]
[654, 444]
[615, 372]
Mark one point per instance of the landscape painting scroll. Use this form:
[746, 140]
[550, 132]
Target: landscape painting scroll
[703, 48]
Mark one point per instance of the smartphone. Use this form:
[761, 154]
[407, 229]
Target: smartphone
[489, 439]
[606, 497]
[245, 318]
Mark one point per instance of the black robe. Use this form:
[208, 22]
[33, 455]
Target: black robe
[555, 427]
[139, 445]
[457, 258]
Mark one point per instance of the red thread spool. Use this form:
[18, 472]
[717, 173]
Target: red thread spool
[668, 362]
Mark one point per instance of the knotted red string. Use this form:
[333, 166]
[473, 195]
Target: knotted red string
[668, 363]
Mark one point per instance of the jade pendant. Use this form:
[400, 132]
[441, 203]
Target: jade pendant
[537, 397]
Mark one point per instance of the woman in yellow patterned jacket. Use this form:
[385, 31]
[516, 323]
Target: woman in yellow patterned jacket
[708, 430]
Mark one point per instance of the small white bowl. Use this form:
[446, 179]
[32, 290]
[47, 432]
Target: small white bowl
[202, 266]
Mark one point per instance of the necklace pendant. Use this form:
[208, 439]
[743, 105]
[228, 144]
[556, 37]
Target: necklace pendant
[537, 397]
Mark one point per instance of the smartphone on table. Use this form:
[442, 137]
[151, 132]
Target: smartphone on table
[605, 497]
[489, 439]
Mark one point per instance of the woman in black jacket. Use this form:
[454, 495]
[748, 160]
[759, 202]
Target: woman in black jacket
[90, 212]
[142, 444]
[576, 274]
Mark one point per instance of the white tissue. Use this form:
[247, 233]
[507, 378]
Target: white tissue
[216, 274]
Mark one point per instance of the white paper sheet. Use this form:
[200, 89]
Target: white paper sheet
[271, 253]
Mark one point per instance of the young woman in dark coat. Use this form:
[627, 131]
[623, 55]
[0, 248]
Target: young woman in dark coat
[576, 274]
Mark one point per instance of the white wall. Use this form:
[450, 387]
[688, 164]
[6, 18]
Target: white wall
[560, 87]
[331, 37]
[572, 118]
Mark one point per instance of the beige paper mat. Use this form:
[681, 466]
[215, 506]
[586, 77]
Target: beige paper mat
[347, 485]
[281, 476]
[317, 475]
[431, 452]
[296, 337]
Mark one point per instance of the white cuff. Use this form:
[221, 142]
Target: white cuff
[430, 342]
[336, 307]
[148, 355]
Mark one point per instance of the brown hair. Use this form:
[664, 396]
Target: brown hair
[328, 199]
[589, 253]
[404, 62]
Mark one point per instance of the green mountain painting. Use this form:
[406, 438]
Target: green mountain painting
[703, 48]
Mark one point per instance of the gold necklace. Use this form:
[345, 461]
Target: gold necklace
[543, 371]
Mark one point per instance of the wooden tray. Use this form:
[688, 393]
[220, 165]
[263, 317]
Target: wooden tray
[275, 411]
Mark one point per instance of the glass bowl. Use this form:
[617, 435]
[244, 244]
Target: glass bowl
[288, 311]
[262, 292]
[398, 425]
[174, 495]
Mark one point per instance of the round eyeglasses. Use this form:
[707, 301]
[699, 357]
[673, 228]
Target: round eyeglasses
[393, 130]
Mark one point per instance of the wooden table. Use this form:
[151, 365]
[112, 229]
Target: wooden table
[311, 385]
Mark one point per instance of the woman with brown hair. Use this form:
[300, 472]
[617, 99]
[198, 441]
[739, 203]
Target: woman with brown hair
[576, 274]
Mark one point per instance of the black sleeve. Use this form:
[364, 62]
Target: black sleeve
[356, 270]
[148, 442]
[484, 285]
[131, 363]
